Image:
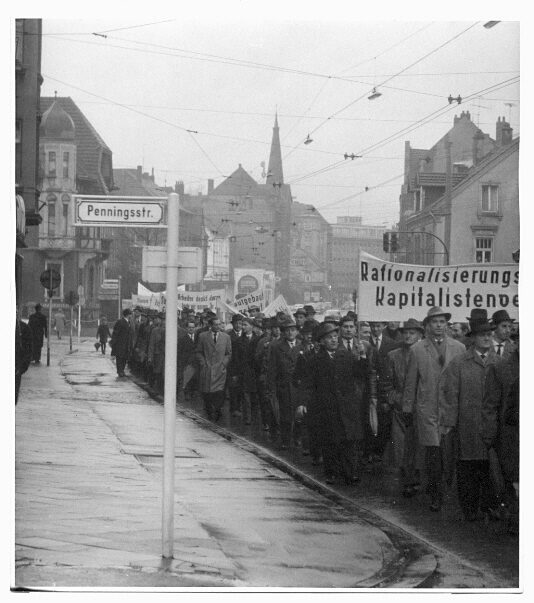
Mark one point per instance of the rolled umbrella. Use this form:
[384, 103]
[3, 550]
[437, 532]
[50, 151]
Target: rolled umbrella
[373, 417]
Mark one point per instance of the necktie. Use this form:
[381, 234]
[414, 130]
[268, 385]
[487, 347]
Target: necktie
[483, 357]
[214, 337]
[349, 346]
[499, 349]
[192, 337]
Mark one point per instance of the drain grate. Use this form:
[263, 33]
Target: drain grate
[157, 451]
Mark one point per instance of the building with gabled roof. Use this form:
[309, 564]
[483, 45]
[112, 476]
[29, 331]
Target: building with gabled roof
[475, 219]
[73, 159]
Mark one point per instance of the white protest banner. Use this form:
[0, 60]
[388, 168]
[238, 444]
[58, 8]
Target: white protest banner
[395, 292]
[198, 300]
[142, 290]
[154, 301]
[226, 307]
[256, 298]
[278, 305]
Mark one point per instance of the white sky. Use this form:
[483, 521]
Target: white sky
[141, 87]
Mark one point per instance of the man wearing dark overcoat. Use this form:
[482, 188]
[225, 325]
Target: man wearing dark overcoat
[244, 351]
[213, 354]
[502, 330]
[423, 395]
[381, 345]
[23, 352]
[334, 372]
[283, 356]
[120, 341]
[39, 326]
[500, 428]
[186, 344]
[234, 385]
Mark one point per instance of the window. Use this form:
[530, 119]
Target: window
[51, 204]
[52, 164]
[65, 221]
[483, 250]
[490, 197]
[65, 165]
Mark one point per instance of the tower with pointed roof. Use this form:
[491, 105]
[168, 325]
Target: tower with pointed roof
[275, 173]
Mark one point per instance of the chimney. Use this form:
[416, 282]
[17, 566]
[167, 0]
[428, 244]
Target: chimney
[152, 175]
[210, 186]
[140, 173]
[504, 132]
[477, 147]
[179, 187]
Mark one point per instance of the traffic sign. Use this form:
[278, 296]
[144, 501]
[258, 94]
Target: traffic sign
[50, 279]
[95, 210]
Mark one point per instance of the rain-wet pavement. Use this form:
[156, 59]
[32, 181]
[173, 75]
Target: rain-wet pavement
[241, 521]
[88, 499]
[481, 546]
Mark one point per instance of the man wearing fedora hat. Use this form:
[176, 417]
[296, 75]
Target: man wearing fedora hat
[234, 385]
[333, 376]
[427, 362]
[502, 343]
[464, 390]
[300, 318]
[283, 356]
[403, 437]
[244, 353]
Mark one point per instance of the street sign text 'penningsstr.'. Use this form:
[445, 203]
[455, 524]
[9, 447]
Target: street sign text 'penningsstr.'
[119, 211]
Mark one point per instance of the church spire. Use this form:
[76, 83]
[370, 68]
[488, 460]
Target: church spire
[274, 171]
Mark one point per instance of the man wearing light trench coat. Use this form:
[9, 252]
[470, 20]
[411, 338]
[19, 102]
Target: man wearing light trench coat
[423, 394]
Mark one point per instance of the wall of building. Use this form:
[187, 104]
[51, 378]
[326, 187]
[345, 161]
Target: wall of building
[468, 221]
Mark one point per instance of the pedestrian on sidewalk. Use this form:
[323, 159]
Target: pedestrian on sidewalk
[213, 353]
[464, 391]
[423, 394]
[103, 334]
[39, 326]
[59, 323]
[156, 353]
[120, 341]
[23, 352]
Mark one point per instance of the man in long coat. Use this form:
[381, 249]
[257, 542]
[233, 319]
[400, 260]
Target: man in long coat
[283, 356]
[186, 344]
[156, 353]
[120, 341]
[244, 351]
[333, 372]
[39, 326]
[403, 437]
[23, 352]
[234, 385]
[423, 394]
[213, 353]
[500, 428]
[464, 391]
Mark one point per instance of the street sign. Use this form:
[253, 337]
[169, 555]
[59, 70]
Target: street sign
[81, 301]
[154, 267]
[50, 279]
[80, 289]
[133, 212]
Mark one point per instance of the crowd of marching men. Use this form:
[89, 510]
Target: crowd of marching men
[437, 400]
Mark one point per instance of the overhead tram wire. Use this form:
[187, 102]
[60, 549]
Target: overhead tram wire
[189, 131]
[393, 76]
[92, 33]
[417, 124]
[344, 71]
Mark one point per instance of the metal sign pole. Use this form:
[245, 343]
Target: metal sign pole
[79, 321]
[171, 334]
[70, 335]
[50, 293]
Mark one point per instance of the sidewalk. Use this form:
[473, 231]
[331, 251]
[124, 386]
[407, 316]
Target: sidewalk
[88, 497]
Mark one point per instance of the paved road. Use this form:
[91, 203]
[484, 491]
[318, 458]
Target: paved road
[88, 498]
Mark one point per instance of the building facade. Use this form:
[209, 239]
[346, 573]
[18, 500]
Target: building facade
[349, 236]
[28, 80]
[473, 215]
[73, 159]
